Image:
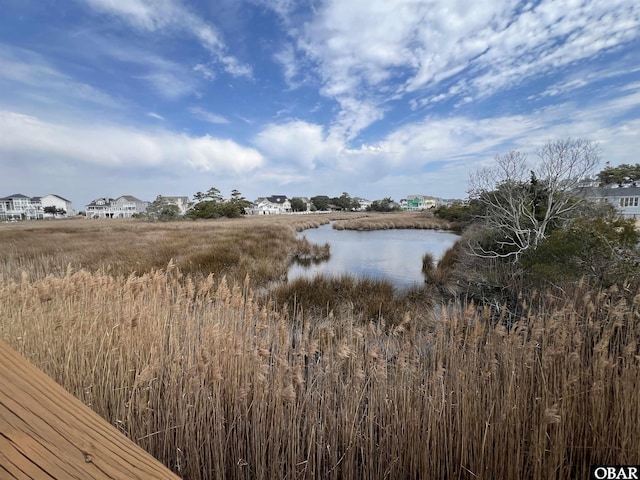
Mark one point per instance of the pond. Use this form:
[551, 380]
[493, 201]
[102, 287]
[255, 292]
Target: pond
[394, 255]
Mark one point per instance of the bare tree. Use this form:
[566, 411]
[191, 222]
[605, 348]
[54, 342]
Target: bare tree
[523, 202]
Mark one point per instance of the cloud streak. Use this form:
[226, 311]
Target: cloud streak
[171, 16]
[30, 75]
[209, 117]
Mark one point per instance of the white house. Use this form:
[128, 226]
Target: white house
[273, 205]
[20, 207]
[59, 203]
[364, 203]
[124, 206]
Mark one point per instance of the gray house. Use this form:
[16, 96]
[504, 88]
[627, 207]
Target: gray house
[20, 207]
[625, 198]
[122, 207]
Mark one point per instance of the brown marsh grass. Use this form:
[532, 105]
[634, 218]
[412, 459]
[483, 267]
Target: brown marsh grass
[391, 220]
[254, 246]
[217, 383]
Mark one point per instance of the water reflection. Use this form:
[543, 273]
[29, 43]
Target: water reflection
[308, 262]
[395, 255]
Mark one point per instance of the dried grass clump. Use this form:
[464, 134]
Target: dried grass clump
[306, 252]
[443, 277]
[400, 220]
[362, 299]
[314, 223]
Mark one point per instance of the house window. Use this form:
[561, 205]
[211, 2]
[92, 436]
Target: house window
[635, 202]
[622, 202]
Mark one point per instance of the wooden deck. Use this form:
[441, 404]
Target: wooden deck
[46, 433]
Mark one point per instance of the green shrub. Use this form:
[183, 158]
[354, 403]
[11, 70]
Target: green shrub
[459, 212]
[601, 248]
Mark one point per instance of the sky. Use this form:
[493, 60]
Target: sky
[376, 98]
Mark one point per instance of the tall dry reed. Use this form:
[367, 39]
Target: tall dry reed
[217, 385]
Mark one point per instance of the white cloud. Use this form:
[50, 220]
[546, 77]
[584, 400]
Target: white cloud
[355, 115]
[205, 71]
[287, 59]
[141, 13]
[210, 154]
[111, 146]
[295, 143]
[235, 67]
[155, 115]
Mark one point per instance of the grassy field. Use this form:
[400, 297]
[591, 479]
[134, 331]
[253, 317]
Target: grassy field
[176, 335]
[258, 247]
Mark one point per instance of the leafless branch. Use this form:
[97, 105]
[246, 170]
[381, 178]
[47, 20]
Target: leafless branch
[522, 201]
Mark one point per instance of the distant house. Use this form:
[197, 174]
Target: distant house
[20, 207]
[124, 206]
[273, 205]
[99, 208]
[364, 203]
[418, 202]
[625, 198]
[59, 204]
[447, 202]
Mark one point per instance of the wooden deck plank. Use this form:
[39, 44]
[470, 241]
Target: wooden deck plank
[45, 432]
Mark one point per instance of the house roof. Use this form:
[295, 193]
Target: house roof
[129, 198]
[58, 196]
[622, 192]
[15, 195]
[421, 197]
[277, 198]
[106, 201]
[630, 191]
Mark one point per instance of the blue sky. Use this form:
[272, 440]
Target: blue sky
[373, 97]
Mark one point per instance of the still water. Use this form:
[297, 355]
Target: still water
[395, 255]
